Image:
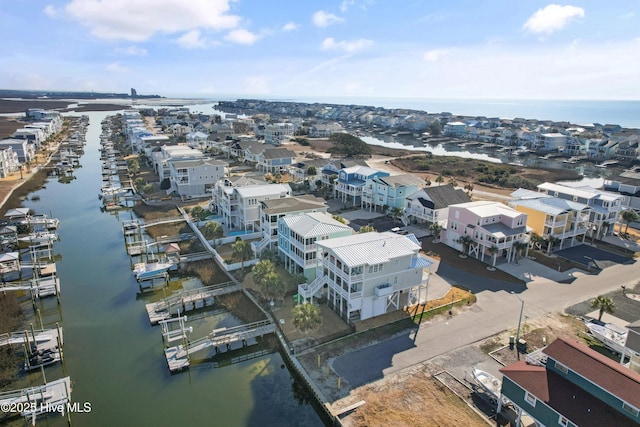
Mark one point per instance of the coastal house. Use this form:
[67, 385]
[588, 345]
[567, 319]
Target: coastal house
[197, 140]
[627, 184]
[9, 162]
[603, 149]
[351, 182]
[275, 160]
[35, 136]
[297, 236]
[550, 142]
[389, 191]
[194, 178]
[491, 227]
[431, 204]
[247, 150]
[240, 206]
[632, 347]
[550, 216]
[324, 130]
[226, 184]
[605, 206]
[455, 129]
[273, 209]
[627, 151]
[277, 133]
[299, 171]
[21, 147]
[576, 386]
[329, 172]
[167, 153]
[369, 274]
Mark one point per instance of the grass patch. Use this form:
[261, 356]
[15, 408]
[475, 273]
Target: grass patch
[455, 297]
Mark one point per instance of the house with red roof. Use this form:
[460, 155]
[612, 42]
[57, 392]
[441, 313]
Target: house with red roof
[577, 386]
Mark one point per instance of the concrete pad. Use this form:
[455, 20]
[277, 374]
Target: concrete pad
[359, 214]
[531, 271]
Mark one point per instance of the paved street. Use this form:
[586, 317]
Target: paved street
[495, 311]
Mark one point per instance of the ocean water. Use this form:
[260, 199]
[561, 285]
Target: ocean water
[623, 113]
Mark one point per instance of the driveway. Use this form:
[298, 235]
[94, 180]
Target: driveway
[591, 256]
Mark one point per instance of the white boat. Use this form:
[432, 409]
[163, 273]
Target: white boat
[612, 336]
[40, 237]
[148, 270]
[488, 382]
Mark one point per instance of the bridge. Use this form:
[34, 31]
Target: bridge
[221, 339]
[188, 300]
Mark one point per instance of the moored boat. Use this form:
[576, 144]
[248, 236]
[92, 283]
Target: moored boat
[148, 270]
[613, 337]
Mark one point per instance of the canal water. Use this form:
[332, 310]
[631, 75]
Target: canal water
[114, 356]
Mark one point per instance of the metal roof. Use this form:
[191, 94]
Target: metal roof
[370, 248]
[262, 190]
[551, 205]
[314, 224]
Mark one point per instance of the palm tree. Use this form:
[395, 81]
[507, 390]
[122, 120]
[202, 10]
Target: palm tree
[212, 230]
[465, 241]
[241, 251]
[519, 246]
[536, 241]
[493, 250]
[604, 304]
[396, 213]
[440, 179]
[551, 241]
[604, 228]
[629, 215]
[306, 317]
[271, 286]
[436, 229]
[261, 269]
[366, 229]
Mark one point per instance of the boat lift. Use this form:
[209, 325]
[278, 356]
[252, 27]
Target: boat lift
[40, 400]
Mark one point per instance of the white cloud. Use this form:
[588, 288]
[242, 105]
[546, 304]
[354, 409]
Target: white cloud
[141, 19]
[434, 54]
[50, 11]
[324, 19]
[116, 67]
[351, 46]
[132, 51]
[192, 40]
[290, 26]
[242, 36]
[552, 18]
[346, 4]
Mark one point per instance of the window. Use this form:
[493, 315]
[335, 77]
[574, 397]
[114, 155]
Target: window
[563, 421]
[631, 409]
[562, 368]
[530, 399]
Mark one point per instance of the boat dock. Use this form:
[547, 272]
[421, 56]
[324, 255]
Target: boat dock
[38, 286]
[189, 300]
[43, 339]
[222, 339]
[52, 397]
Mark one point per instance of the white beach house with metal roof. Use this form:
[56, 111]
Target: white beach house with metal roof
[240, 206]
[297, 237]
[369, 274]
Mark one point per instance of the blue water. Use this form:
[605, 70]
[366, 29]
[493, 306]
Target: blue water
[239, 232]
[624, 113]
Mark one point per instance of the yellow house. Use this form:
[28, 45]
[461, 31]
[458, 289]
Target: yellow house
[550, 216]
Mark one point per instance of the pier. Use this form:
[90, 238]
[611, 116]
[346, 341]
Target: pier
[189, 300]
[222, 339]
[39, 400]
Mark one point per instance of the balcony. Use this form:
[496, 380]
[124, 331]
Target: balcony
[383, 290]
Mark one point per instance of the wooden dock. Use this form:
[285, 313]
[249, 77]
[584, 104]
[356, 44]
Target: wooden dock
[189, 300]
[43, 339]
[39, 400]
[222, 339]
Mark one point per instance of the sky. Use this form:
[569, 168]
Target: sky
[491, 49]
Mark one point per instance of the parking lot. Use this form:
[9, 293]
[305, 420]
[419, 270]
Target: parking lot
[588, 255]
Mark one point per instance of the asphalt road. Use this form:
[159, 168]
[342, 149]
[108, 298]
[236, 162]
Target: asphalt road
[494, 312]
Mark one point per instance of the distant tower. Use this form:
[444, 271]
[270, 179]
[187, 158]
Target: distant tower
[133, 93]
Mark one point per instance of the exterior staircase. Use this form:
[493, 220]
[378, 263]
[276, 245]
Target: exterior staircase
[308, 290]
[260, 246]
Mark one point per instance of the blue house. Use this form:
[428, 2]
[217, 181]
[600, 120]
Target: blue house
[577, 386]
[275, 160]
[351, 182]
[390, 191]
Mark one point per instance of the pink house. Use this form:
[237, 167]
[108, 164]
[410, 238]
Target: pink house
[488, 231]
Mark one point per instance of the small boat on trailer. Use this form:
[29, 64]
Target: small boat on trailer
[488, 382]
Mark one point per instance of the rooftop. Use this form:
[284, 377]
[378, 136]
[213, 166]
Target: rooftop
[314, 224]
[293, 204]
